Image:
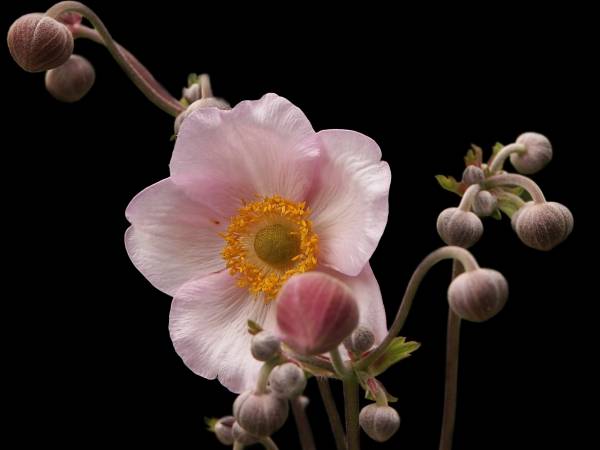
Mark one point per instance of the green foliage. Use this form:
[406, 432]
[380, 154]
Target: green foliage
[449, 183]
[253, 327]
[398, 350]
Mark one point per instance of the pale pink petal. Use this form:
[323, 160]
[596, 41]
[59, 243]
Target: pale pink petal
[172, 239]
[350, 200]
[366, 291]
[208, 326]
[265, 147]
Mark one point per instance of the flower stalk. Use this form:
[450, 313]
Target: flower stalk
[332, 412]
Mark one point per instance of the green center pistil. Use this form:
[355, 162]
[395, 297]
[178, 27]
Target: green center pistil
[276, 245]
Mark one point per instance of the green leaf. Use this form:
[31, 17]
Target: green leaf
[496, 215]
[448, 183]
[507, 206]
[496, 148]
[474, 156]
[253, 327]
[210, 423]
[398, 350]
[192, 79]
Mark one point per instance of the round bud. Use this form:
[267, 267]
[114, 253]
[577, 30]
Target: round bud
[485, 204]
[538, 153]
[242, 436]
[260, 414]
[379, 422]
[472, 175]
[223, 430]
[38, 42]
[315, 313]
[458, 227]
[264, 346]
[71, 81]
[287, 381]
[478, 295]
[208, 102]
[542, 225]
[360, 341]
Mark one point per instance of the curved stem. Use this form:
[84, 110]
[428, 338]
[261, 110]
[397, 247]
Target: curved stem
[469, 197]
[319, 363]
[332, 412]
[269, 444]
[263, 375]
[238, 446]
[351, 409]
[307, 440]
[451, 381]
[338, 364]
[205, 87]
[134, 71]
[450, 252]
[512, 179]
[504, 153]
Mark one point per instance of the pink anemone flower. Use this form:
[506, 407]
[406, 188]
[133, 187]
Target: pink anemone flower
[256, 196]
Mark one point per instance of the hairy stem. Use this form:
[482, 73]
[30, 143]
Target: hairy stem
[307, 440]
[504, 153]
[332, 412]
[451, 381]
[351, 409]
[513, 179]
[134, 70]
[449, 252]
[469, 197]
[338, 364]
[263, 375]
[269, 444]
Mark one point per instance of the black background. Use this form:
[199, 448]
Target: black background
[86, 347]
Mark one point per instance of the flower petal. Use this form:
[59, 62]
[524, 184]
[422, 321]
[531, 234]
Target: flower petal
[265, 147]
[172, 239]
[208, 326]
[366, 291]
[350, 200]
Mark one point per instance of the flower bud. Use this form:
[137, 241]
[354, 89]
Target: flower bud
[315, 312]
[458, 227]
[208, 102]
[265, 346]
[478, 295]
[242, 436]
[379, 422]
[361, 340]
[538, 153]
[542, 225]
[38, 42]
[223, 430]
[71, 81]
[287, 381]
[260, 414]
[484, 204]
[472, 175]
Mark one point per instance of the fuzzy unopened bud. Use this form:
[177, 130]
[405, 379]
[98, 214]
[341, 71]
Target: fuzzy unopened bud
[265, 346]
[458, 227]
[478, 295]
[71, 81]
[208, 102]
[315, 312]
[361, 340]
[379, 422]
[287, 381]
[538, 153]
[223, 430]
[243, 436]
[472, 175]
[38, 42]
[542, 225]
[260, 414]
[484, 204]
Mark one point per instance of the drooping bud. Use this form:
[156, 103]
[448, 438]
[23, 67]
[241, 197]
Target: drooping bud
[379, 422]
[38, 42]
[208, 102]
[478, 295]
[458, 227]
[287, 381]
[315, 312]
[242, 436]
[223, 430]
[472, 175]
[538, 153]
[264, 346]
[542, 225]
[71, 81]
[260, 414]
[484, 204]
[360, 341]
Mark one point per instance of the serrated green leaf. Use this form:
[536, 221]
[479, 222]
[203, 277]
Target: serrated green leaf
[398, 350]
[509, 204]
[496, 215]
[253, 327]
[192, 79]
[448, 183]
[496, 148]
[210, 423]
[474, 156]
[369, 395]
